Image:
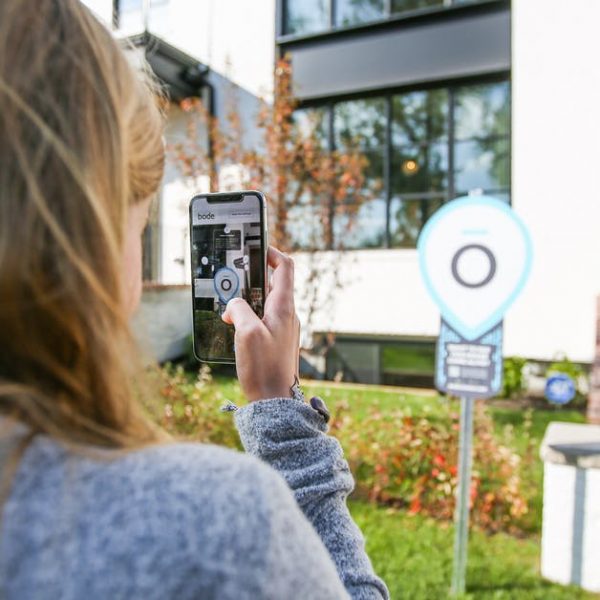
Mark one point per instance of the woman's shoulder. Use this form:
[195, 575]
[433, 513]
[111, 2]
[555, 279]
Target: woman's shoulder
[197, 470]
[185, 471]
[155, 515]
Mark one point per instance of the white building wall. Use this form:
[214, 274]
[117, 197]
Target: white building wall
[555, 174]
[235, 38]
[367, 292]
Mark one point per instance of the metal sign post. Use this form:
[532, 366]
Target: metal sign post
[461, 513]
[475, 256]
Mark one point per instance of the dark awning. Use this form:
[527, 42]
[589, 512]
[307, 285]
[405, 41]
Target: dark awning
[183, 75]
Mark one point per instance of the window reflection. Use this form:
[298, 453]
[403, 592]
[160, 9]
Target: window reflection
[313, 122]
[419, 161]
[407, 217]
[404, 5]
[419, 116]
[360, 123]
[419, 158]
[307, 16]
[482, 132]
[353, 12]
[419, 168]
[481, 164]
[312, 16]
[433, 154]
[482, 111]
[364, 229]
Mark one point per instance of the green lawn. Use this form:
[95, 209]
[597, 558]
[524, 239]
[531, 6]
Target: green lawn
[413, 555]
[408, 359]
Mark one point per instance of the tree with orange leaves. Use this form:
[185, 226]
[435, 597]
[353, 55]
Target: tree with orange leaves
[307, 184]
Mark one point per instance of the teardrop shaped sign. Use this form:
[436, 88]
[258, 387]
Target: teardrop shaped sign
[226, 284]
[475, 256]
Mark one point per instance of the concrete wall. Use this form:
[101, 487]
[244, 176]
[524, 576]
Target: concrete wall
[555, 174]
[163, 322]
[571, 526]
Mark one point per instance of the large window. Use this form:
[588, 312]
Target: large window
[398, 362]
[354, 12]
[362, 123]
[423, 148]
[306, 16]
[316, 16]
[418, 161]
[129, 15]
[482, 145]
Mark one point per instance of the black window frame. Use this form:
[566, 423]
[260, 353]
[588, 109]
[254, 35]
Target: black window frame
[283, 30]
[387, 193]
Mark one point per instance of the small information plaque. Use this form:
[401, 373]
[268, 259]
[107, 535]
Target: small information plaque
[469, 368]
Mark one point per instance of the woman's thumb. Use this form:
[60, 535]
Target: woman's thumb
[238, 313]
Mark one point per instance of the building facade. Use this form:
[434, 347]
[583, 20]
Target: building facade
[447, 98]
[425, 87]
[451, 98]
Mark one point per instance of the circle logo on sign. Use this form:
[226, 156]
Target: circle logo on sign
[479, 282]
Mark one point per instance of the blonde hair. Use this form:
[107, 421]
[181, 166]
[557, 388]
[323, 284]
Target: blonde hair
[80, 140]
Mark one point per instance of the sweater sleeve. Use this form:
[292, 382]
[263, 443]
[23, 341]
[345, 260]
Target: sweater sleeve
[291, 437]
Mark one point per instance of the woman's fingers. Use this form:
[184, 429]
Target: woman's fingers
[267, 349]
[239, 314]
[281, 298]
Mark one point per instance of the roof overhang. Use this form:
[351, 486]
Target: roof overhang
[183, 75]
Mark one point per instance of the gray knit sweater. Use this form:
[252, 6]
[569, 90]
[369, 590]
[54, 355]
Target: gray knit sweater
[190, 520]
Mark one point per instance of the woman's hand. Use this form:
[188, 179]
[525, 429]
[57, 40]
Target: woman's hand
[266, 350]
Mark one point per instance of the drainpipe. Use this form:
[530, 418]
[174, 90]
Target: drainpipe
[197, 76]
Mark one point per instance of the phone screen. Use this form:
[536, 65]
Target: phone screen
[228, 260]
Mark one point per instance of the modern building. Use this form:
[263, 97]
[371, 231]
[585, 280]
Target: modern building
[454, 97]
[425, 86]
[448, 97]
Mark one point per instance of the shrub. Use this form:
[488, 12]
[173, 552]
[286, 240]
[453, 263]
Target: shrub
[409, 462]
[397, 459]
[513, 381]
[189, 408]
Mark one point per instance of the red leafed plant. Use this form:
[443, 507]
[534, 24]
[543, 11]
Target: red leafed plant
[308, 184]
[411, 463]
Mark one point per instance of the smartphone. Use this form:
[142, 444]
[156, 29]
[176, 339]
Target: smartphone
[228, 238]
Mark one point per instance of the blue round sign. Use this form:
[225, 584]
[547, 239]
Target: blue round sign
[560, 389]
